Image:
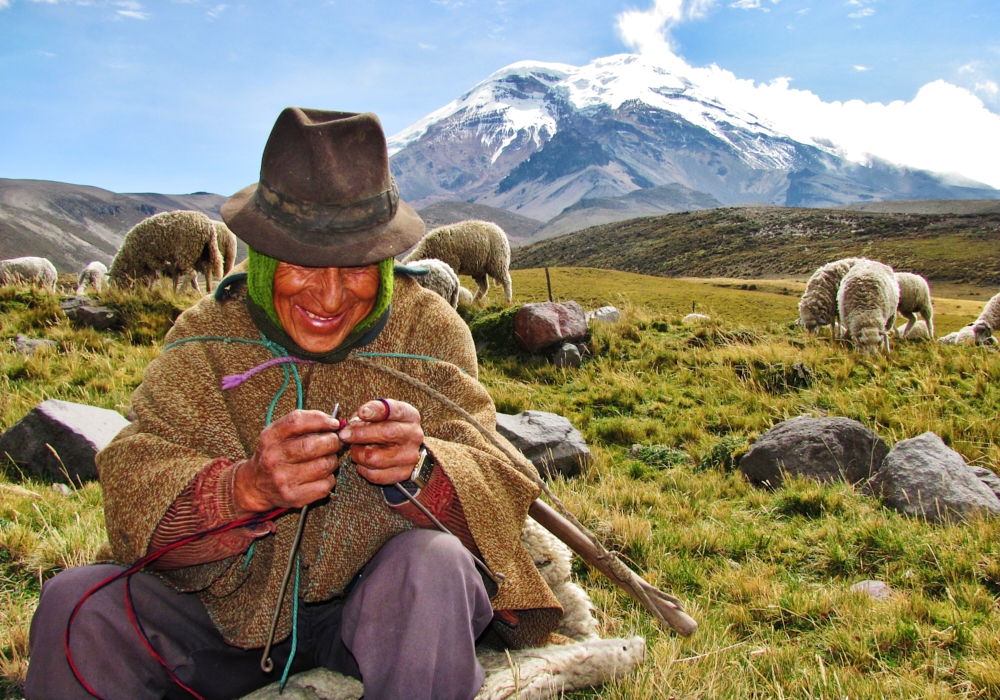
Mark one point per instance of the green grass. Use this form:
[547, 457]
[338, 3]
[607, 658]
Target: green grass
[766, 574]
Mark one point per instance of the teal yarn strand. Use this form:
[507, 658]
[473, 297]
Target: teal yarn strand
[295, 628]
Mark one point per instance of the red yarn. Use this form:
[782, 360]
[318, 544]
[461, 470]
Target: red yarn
[247, 521]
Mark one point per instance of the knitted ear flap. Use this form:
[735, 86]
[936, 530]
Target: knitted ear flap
[260, 284]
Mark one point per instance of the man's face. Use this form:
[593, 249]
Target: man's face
[319, 306]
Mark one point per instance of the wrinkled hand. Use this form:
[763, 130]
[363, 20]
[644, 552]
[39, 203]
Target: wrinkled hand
[385, 448]
[293, 465]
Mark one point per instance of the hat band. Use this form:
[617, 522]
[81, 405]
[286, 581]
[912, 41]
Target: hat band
[295, 213]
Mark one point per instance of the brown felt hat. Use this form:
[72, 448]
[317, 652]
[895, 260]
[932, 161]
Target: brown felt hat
[326, 197]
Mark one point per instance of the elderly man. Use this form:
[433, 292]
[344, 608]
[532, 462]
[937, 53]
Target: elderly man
[233, 424]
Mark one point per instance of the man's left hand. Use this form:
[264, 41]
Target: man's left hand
[385, 438]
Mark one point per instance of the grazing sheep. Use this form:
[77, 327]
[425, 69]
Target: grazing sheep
[978, 332]
[867, 301]
[692, 319]
[226, 240]
[440, 278]
[172, 243]
[918, 331]
[465, 297]
[476, 248]
[914, 298]
[32, 271]
[94, 275]
[818, 306]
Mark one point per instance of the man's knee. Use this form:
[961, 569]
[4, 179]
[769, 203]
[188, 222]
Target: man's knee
[421, 552]
[60, 595]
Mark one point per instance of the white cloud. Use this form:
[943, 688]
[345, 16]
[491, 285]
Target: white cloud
[944, 128]
[214, 12]
[747, 5]
[47, 54]
[4, 4]
[427, 47]
[867, 12]
[989, 87]
[861, 68]
[971, 67]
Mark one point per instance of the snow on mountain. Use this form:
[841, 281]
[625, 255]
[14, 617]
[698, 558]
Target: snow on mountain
[537, 137]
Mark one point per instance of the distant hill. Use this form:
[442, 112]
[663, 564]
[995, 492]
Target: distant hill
[517, 227]
[652, 201]
[928, 206]
[749, 242]
[72, 225]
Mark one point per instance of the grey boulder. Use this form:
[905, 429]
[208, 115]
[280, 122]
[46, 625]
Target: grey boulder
[924, 477]
[823, 449]
[550, 441]
[82, 311]
[873, 589]
[29, 346]
[988, 478]
[567, 356]
[75, 432]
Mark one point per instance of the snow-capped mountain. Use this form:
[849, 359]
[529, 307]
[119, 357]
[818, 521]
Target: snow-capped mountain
[536, 138]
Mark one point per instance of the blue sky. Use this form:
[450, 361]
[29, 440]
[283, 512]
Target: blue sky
[174, 97]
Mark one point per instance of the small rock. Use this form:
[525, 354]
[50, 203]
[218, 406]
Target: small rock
[567, 356]
[924, 477]
[873, 589]
[29, 346]
[824, 449]
[550, 441]
[83, 312]
[61, 488]
[605, 314]
[541, 326]
[75, 432]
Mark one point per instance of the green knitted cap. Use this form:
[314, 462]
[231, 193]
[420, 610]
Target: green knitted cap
[260, 284]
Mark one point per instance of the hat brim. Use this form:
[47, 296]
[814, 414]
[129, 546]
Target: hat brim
[368, 246]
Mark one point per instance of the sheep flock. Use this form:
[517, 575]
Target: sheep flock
[860, 299]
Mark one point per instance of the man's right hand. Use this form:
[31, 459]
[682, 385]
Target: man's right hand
[293, 465]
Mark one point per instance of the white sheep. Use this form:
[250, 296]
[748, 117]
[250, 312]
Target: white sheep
[170, 243]
[918, 331]
[818, 306]
[554, 562]
[694, 319]
[440, 278]
[475, 248]
[465, 297]
[31, 271]
[978, 332]
[914, 298]
[95, 275]
[867, 302]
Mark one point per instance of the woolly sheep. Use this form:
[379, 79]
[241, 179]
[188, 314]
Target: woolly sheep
[980, 331]
[553, 559]
[171, 243]
[465, 297]
[976, 333]
[918, 331]
[226, 241]
[692, 319]
[95, 275]
[914, 298]
[440, 278]
[818, 306]
[867, 301]
[476, 248]
[33, 271]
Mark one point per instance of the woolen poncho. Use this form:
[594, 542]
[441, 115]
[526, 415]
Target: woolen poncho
[184, 421]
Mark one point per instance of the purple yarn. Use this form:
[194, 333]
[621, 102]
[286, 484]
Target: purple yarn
[231, 381]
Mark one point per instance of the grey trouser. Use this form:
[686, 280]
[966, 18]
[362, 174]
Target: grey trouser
[407, 629]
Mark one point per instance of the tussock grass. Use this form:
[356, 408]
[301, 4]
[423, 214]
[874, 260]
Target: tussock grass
[766, 574]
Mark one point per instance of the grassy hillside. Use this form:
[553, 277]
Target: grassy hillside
[766, 574]
[751, 242]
